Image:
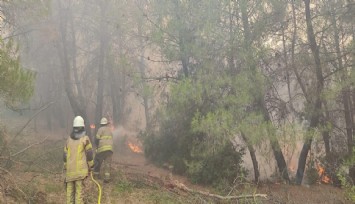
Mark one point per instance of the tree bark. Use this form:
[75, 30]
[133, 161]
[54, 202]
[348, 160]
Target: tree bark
[293, 45]
[116, 92]
[101, 65]
[253, 158]
[77, 107]
[247, 42]
[302, 161]
[276, 149]
[346, 90]
[184, 55]
[279, 157]
[316, 102]
[143, 76]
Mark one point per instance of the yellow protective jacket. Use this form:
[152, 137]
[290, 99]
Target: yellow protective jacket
[78, 157]
[104, 140]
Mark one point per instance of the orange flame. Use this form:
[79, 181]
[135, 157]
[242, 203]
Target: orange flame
[322, 175]
[92, 126]
[134, 148]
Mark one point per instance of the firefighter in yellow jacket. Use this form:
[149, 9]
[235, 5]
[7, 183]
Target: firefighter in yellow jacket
[78, 160]
[104, 151]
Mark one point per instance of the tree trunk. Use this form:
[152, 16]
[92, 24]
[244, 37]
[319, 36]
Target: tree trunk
[346, 90]
[101, 65]
[184, 56]
[231, 52]
[275, 145]
[116, 91]
[142, 73]
[302, 161]
[325, 132]
[293, 45]
[77, 107]
[253, 158]
[75, 69]
[316, 102]
[247, 42]
[352, 105]
[276, 149]
[280, 160]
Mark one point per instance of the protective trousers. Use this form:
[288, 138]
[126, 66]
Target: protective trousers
[75, 192]
[106, 157]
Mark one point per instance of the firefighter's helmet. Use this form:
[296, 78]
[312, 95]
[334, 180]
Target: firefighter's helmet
[78, 122]
[103, 121]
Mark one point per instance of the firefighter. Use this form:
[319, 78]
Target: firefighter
[78, 161]
[104, 151]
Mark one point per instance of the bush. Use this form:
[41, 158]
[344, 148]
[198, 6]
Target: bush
[223, 167]
[219, 168]
[345, 178]
[165, 149]
[348, 185]
[194, 133]
[312, 175]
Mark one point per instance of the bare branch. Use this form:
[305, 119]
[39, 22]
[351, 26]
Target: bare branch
[28, 147]
[181, 186]
[161, 78]
[34, 115]
[13, 180]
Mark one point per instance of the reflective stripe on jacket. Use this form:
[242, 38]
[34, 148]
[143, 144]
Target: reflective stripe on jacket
[76, 162]
[104, 136]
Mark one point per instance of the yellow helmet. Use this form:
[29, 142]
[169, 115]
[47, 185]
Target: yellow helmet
[103, 121]
[78, 122]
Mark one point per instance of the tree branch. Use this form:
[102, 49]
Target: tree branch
[28, 147]
[181, 186]
[33, 116]
[161, 78]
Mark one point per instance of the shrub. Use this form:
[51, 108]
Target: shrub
[312, 175]
[194, 133]
[223, 167]
[345, 179]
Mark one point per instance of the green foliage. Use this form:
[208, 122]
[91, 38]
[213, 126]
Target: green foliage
[312, 173]
[347, 185]
[346, 181]
[128, 185]
[222, 167]
[197, 128]
[16, 84]
[162, 197]
[123, 186]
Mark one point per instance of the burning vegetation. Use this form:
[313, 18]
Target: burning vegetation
[323, 177]
[134, 148]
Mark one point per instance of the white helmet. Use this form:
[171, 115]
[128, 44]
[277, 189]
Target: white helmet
[78, 122]
[103, 121]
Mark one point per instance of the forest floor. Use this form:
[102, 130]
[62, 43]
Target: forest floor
[134, 180]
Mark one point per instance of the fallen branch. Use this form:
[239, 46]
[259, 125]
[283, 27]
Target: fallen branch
[33, 116]
[28, 147]
[181, 186]
[13, 181]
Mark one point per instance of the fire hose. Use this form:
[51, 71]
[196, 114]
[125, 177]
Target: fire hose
[98, 186]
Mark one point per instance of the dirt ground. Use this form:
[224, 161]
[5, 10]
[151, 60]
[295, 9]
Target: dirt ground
[135, 164]
[135, 180]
